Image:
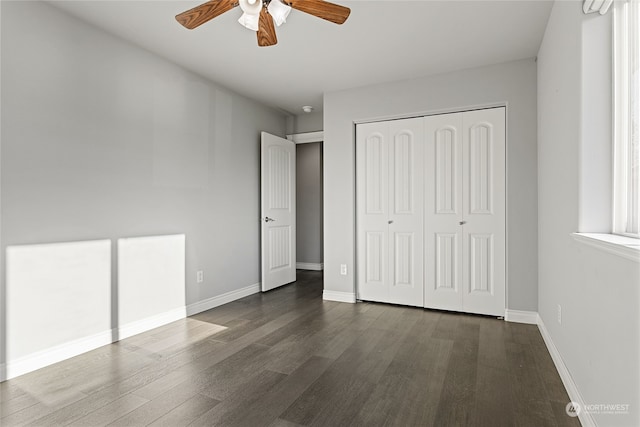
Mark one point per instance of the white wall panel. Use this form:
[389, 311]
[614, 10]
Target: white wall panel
[599, 337]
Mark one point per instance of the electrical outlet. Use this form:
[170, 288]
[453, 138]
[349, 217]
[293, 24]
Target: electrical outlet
[559, 314]
[200, 276]
[343, 269]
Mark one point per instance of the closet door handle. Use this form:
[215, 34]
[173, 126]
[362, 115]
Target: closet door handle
[390, 221]
[463, 222]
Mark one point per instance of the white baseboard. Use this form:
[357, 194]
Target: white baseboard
[55, 354]
[219, 300]
[586, 419]
[519, 316]
[339, 296]
[310, 266]
[143, 325]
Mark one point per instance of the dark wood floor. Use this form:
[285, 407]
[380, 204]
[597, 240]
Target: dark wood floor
[287, 358]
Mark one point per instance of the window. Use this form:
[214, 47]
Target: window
[627, 118]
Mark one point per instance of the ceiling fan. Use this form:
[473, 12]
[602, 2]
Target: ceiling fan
[260, 15]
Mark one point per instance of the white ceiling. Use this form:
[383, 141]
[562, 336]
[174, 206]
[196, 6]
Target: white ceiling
[381, 41]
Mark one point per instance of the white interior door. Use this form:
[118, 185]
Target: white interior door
[278, 210]
[390, 210]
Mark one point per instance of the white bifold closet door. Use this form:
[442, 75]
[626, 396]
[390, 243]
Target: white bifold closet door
[465, 211]
[390, 203]
[431, 211]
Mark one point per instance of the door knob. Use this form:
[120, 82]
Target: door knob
[267, 219]
[463, 222]
[390, 221]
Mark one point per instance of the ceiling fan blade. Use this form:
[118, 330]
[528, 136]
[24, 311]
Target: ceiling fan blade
[266, 29]
[197, 16]
[322, 9]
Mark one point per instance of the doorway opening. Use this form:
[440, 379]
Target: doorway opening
[309, 206]
[291, 207]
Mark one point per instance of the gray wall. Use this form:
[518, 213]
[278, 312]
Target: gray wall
[305, 122]
[513, 83]
[309, 202]
[599, 338]
[101, 139]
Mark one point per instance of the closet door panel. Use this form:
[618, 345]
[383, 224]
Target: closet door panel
[406, 183]
[443, 211]
[372, 208]
[484, 188]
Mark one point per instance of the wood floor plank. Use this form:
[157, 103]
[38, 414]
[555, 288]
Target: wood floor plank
[108, 413]
[18, 403]
[10, 390]
[27, 415]
[333, 398]
[494, 396]
[447, 326]
[186, 413]
[531, 403]
[179, 339]
[344, 339]
[159, 386]
[283, 423]
[104, 396]
[159, 406]
[425, 374]
[324, 317]
[79, 376]
[231, 410]
[224, 378]
[458, 393]
[288, 354]
[285, 393]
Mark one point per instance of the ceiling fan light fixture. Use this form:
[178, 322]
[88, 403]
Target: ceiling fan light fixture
[279, 11]
[251, 16]
[249, 21]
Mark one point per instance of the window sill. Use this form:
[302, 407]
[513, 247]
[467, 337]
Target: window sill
[626, 247]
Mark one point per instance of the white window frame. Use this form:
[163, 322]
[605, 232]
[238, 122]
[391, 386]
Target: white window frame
[626, 191]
